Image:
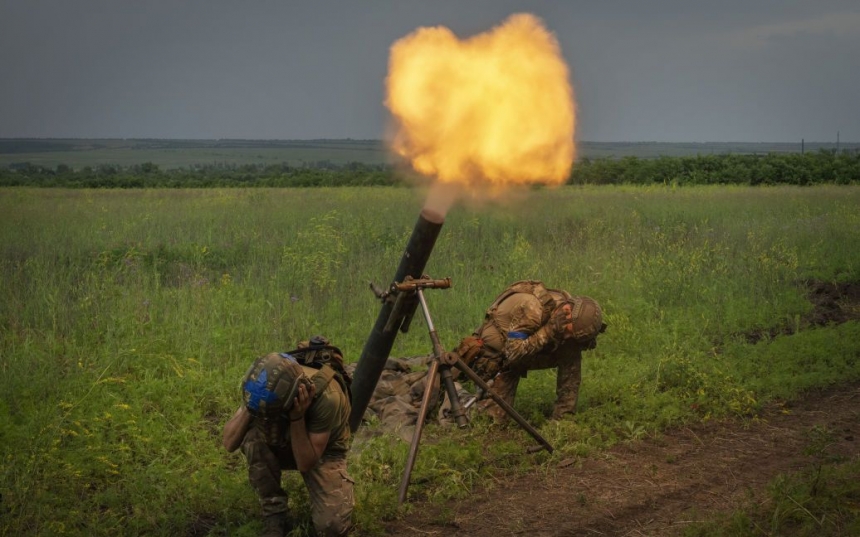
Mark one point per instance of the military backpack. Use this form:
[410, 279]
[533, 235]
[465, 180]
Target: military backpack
[318, 353]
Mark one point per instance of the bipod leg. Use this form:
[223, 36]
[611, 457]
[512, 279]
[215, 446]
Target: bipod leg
[419, 428]
[441, 366]
[502, 403]
[445, 363]
[457, 410]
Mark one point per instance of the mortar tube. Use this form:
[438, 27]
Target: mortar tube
[379, 342]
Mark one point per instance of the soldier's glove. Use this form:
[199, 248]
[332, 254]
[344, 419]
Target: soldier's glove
[470, 349]
[560, 324]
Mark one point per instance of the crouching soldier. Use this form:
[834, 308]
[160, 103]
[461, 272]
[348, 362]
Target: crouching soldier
[295, 417]
[531, 327]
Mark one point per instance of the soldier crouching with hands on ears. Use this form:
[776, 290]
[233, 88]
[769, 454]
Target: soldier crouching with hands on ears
[531, 327]
[295, 417]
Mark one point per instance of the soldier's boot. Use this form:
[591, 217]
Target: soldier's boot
[494, 411]
[276, 525]
[563, 409]
[505, 386]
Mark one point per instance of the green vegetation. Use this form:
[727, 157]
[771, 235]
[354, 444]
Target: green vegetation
[129, 316]
[772, 168]
[149, 175]
[172, 154]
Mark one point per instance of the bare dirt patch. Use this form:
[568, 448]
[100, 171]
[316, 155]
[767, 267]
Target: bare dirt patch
[832, 303]
[659, 486]
[656, 486]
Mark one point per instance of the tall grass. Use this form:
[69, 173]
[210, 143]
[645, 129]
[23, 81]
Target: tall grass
[128, 318]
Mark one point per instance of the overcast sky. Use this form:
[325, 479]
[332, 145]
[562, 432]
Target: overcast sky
[642, 70]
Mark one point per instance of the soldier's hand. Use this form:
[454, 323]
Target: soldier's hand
[303, 401]
[561, 322]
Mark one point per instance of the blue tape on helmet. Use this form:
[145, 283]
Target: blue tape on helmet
[258, 392]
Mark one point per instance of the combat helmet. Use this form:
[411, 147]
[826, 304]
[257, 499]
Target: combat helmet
[271, 384]
[587, 319]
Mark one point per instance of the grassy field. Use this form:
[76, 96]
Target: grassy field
[170, 154]
[128, 318]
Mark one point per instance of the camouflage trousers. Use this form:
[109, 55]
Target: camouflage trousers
[567, 358]
[329, 486]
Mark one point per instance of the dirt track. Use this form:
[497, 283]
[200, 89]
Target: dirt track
[654, 487]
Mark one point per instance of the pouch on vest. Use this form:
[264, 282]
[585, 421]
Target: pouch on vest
[317, 353]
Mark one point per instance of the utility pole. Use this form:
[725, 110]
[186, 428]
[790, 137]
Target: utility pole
[801, 146]
[837, 141]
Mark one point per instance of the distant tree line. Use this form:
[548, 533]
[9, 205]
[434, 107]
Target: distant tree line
[149, 175]
[825, 166]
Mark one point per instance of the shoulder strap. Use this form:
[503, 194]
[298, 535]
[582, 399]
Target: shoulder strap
[325, 375]
[314, 348]
[321, 379]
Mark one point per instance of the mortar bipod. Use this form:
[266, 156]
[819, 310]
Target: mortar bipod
[441, 365]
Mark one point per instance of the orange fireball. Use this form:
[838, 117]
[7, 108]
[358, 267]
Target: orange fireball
[496, 109]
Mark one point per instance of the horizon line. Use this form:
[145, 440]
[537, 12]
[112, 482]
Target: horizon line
[382, 140]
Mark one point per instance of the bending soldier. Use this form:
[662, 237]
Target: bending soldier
[531, 327]
[295, 417]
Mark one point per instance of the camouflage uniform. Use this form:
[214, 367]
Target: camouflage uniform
[267, 448]
[518, 338]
